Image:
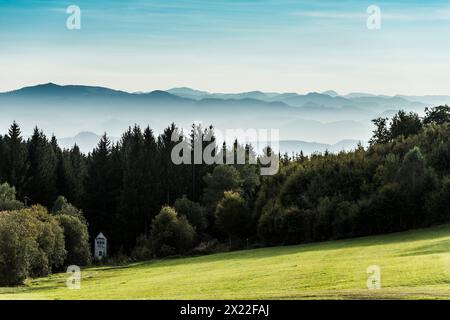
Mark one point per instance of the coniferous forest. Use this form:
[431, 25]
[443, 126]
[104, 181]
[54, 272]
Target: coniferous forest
[54, 201]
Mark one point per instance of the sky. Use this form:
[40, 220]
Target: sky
[228, 46]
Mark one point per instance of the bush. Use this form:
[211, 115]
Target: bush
[271, 224]
[76, 235]
[171, 234]
[62, 206]
[14, 245]
[211, 246]
[223, 178]
[50, 241]
[278, 225]
[438, 204]
[31, 244]
[76, 239]
[142, 249]
[232, 215]
[193, 211]
[8, 200]
[119, 258]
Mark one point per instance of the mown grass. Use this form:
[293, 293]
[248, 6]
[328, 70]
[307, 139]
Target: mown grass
[414, 265]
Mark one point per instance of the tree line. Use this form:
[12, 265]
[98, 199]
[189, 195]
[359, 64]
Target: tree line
[149, 207]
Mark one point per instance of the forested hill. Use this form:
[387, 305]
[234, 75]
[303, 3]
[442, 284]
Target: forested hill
[132, 191]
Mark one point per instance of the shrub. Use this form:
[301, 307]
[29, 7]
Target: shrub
[278, 225]
[62, 206]
[438, 204]
[8, 200]
[76, 239]
[31, 244]
[142, 249]
[193, 211]
[14, 245]
[119, 258]
[271, 224]
[171, 234]
[76, 235]
[211, 246]
[232, 215]
[223, 178]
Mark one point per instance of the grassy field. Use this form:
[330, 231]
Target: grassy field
[414, 265]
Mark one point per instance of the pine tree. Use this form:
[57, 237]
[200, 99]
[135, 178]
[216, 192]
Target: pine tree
[97, 185]
[152, 189]
[133, 209]
[15, 165]
[41, 175]
[173, 181]
[199, 140]
[79, 174]
[2, 158]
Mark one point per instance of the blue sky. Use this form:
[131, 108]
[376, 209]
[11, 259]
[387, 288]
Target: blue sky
[228, 46]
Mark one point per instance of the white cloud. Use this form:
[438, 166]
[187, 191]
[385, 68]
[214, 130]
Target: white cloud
[422, 14]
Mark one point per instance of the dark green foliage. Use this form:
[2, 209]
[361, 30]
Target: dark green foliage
[41, 187]
[76, 236]
[31, 244]
[223, 178]
[103, 188]
[437, 115]
[62, 206]
[14, 248]
[199, 140]
[8, 200]
[172, 177]
[405, 124]
[381, 134]
[71, 173]
[399, 182]
[76, 239]
[15, 162]
[272, 226]
[171, 234]
[438, 204]
[143, 249]
[233, 216]
[193, 211]
[402, 125]
[139, 194]
[250, 181]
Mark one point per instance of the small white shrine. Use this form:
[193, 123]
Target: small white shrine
[100, 247]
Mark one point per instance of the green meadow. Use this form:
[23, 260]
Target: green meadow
[414, 265]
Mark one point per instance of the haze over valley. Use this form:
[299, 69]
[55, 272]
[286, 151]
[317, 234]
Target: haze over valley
[309, 122]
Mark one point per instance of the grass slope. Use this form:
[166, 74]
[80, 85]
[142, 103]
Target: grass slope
[414, 265]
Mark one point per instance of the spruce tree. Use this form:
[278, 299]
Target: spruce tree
[133, 209]
[41, 175]
[15, 165]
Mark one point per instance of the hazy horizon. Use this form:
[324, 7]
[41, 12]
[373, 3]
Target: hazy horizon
[222, 92]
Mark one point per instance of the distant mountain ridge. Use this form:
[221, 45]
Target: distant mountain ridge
[326, 117]
[87, 141]
[80, 91]
[328, 98]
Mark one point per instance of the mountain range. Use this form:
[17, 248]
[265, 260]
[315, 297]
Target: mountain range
[326, 117]
[87, 141]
